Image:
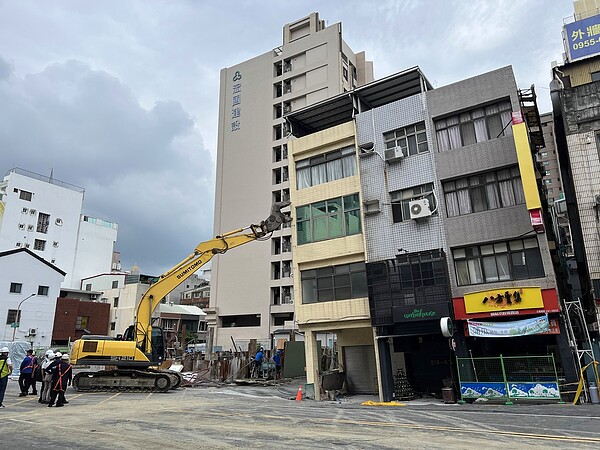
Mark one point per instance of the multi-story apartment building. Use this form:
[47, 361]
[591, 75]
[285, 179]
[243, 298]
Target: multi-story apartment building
[548, 164]
[575, 90]
[449, 211]
[43, 215]
[251, 288]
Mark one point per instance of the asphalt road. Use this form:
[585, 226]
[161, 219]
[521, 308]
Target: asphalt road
[266, 417]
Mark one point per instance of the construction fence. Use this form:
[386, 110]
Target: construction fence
[508, 378]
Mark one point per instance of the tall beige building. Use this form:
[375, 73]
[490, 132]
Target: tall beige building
[252, 288]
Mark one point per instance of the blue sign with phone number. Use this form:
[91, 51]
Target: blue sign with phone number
[583, 37]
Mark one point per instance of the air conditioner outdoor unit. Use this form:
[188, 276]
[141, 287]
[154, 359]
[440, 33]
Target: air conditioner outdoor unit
[32, 332]
[419, 209]
[393, 154]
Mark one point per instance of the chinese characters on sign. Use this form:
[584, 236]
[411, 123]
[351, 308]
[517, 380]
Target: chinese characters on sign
[583, 37]
[236, 101]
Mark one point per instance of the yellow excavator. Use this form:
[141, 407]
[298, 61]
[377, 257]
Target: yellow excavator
[138, 355]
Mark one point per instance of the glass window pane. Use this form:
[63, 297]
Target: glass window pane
[324, 283]
[412, 145]
[475, 271]
[478, 199]
[516, 245]
[318, 209]
[304, 232]
[351, 202]
[534, 263]
[341, 280]
[324, 271]
[519, 265]
[325, 295]
[503, 267]
[467, 131]
[345, 268]
[495, 126]
[489, 269]
[359, 284]
[309, 291]
[336, 226]
[462, 273]
[459, 253]
[530, 243]
[487, 249]
[343, 293]
[303, 212]
[353, 223]
[500, 247]
[334, 206]
[320, 229]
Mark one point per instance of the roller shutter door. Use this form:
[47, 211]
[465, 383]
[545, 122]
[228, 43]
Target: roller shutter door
[361, 374]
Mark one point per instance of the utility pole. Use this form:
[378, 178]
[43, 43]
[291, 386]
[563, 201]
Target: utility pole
[18, 318]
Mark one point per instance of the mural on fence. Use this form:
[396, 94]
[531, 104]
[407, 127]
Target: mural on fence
[483, 390]
[534, 390]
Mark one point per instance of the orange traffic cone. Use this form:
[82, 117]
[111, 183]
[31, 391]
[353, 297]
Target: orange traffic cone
[299, 394]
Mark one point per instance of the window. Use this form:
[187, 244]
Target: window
[328, 219]
[11, 317]
[547, 172]
[484, 192]
[548, 181]
[326, 167]
[115, 284]
[43, 290]
[412, 140]
[549, 190]
[43, 222]
[15, 288]
[82, 322]
[115, 302]
[24, 195]
[401, 199]
[331, 283]
[515, 260]
[595, 76]
[88, 287]
[545, 163]
[113, 326]
[247, 320]
[39, 244]
[544, 154]
[477, 125]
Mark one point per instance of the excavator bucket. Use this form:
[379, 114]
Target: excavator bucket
[277, 218]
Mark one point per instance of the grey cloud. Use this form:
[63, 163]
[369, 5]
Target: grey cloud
[5, 69]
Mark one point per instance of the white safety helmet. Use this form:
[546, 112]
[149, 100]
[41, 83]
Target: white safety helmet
[50, 354]
[65, 357]
[49, 351]
[58, 355]
[4, 350]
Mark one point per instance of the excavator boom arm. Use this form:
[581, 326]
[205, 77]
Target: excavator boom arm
[203, 253]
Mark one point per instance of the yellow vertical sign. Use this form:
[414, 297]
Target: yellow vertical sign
[532, 196]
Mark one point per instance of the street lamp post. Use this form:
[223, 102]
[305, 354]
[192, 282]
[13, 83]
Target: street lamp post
[18, 318]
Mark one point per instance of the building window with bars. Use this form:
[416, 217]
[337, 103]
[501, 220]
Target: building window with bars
[328, 219]
[332, 283]
[412, 139]
[12, 317]
[39, 244]
[15, 288]
[474, 126]
[326, 167]
[483, 192]
[43, 222]
[401, 200]
[43, 290]
[25, 195]
[501, 261]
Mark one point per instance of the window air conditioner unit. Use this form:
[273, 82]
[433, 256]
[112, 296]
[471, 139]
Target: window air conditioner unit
[32, 332]
[419, 209]
[393, 154]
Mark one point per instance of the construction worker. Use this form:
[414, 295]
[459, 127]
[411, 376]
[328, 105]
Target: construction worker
[277, 361]
[47, 378]
[62, 375]
[258, 360]
[5, 370]
[26, 376]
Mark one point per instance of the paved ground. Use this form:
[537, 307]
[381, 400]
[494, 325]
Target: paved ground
[266, 417]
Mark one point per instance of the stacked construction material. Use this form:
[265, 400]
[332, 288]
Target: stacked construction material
[402, 388]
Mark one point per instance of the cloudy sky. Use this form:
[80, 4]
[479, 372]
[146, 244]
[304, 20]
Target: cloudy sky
[121, 96]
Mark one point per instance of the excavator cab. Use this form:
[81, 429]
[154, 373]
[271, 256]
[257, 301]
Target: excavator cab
[158, 343]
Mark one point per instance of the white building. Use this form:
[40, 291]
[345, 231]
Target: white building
[43, 214]
[29, 286]
[251, 287]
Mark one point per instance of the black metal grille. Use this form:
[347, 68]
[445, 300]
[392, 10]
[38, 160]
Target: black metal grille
[409, 279]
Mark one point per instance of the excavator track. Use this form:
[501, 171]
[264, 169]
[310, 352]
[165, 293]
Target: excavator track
[120, 380]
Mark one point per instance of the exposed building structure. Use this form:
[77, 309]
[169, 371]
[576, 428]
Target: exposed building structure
[43, 214]
[575, 90]
[312, 64]
[449, 218]
[28, 296]
[75, 318]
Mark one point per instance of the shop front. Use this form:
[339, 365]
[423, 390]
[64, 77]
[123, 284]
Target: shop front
[514, 322]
